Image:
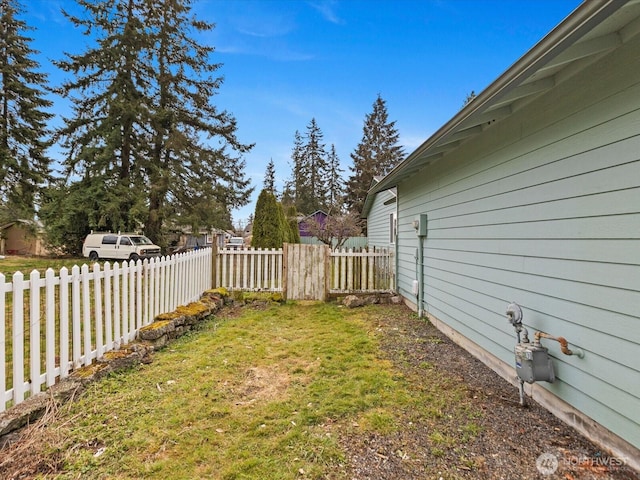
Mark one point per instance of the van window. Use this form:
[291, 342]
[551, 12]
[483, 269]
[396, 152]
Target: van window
[141, 240]
[125, 241]
[109, 240]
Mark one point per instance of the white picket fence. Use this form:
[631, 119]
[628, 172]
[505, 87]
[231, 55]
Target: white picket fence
[364, 271]
[51, 325]
[349, 271]
[251, 269]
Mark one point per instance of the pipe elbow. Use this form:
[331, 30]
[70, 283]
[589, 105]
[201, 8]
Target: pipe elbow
[564, 346]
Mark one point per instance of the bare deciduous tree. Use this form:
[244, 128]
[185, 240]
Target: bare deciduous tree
[335, 230]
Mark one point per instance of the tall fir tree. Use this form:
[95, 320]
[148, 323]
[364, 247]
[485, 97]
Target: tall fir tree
[316, 159]
[307, 189]
[180, 162]
[270, 177]
[106, 134]
[143, 120]
[296, 185]
[335, 184]
[24, 137]
[376, 154]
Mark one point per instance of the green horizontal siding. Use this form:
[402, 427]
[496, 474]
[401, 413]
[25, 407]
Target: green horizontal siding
[378, 225]
[543, 208]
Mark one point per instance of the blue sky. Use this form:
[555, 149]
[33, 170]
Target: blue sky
[288, 61]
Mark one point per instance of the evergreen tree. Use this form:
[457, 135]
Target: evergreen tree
[270, 229]
[67, 211]
[469, 98]
[292, 219]
[180, 162]
[376, 154]
[105, 137]
[307, 189]
[141, 111]
[316, 161]
[24, 166]
[297, 183]
[270, 177]
[287, 233]
[335, 184]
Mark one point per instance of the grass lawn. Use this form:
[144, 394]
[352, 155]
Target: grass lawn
[13, 263]
[258, 395]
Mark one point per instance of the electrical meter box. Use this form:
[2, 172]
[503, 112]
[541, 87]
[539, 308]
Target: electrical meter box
[420, 224]
[533, 363]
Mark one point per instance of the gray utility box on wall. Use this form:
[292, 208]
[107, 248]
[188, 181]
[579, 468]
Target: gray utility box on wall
[533, 363]
[420, 224]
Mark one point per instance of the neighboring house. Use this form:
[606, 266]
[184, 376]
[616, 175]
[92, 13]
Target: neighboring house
[381, 218]
[188, 240]
[248, 230]
[22, 237]
[531, 194]
[318, 216]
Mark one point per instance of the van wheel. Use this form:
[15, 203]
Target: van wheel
[93, 256]
[134, 257]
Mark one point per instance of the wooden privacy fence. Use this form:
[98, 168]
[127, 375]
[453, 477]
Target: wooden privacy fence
[306, 271]
[52, 325]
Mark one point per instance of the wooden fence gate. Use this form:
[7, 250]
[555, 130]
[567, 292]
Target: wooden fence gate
[306, 271]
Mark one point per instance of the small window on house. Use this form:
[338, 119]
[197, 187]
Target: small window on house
[392, 228]
[109, 240]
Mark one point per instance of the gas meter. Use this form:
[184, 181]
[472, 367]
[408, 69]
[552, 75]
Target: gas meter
[533, 363]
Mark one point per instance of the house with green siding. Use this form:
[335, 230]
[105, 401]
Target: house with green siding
[381, 221]
[531, 194]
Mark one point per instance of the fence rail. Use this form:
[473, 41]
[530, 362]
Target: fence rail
[51, 325]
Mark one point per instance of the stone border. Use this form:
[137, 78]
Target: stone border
[354, 301]
[165, 328]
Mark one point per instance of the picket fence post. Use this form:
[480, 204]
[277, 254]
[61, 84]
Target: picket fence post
[50, 325]
[17, 341]
[3, 342]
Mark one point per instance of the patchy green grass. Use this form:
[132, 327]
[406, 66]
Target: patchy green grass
[262, 395]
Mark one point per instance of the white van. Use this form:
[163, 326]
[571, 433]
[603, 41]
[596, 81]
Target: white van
[119, 246]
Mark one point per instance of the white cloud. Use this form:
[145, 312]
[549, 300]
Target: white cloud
[327, 10]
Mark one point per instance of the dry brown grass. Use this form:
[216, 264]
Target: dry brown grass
[23, 455]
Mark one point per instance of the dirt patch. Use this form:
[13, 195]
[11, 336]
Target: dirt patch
[501, 441]
[262, 384]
